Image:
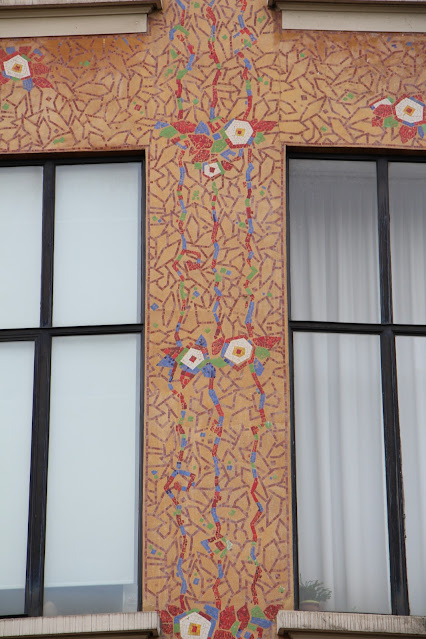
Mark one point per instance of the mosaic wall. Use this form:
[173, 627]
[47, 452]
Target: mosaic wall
[213, 93]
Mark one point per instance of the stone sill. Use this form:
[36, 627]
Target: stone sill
[398, 16]
[50, 18]
[46, 4]
[130, 625]
[359, 3]
[304, 624]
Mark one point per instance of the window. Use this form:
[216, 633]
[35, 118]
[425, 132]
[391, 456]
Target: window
[357, 238]
[71, 345]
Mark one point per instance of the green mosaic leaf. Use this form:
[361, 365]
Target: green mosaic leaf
[390, 122]
[257, 611]
[218, 362]
[259, 138]
[168, 132]
[174, 54]
[261, 352]
[218, 146]
[179, 357]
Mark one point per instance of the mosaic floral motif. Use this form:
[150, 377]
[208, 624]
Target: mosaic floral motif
[214, 147]
[237, 351]
[407, 113]
[220, 146]
[221, 624]
[192, 358]
[239, 132]
[24, 64]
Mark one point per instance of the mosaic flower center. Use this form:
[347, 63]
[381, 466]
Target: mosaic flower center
[17, 67]
[194, 630]
[238, 351]
[409, 110]
[240, 132]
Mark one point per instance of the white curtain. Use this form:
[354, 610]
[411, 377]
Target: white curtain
[411, 363]
[341, 498]
[341, 494]
[333, 241]
[407, 200]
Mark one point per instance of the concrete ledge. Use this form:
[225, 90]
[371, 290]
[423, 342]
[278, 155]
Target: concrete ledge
[341, 623]
[28, 4]
[134, 624]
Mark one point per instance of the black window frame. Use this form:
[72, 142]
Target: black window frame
[42, 338]
[387, 331]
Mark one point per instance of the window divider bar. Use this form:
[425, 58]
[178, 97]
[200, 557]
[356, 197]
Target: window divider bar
[46, 305]
[394, 488]
[140, 550]
[384, 242]
[38, 481]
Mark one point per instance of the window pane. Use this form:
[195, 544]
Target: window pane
[407, 202]
[341, 499]
[411, 361]
[334, 247]
[16, 402]
[21, 191]
[97, 244]
[93, 497]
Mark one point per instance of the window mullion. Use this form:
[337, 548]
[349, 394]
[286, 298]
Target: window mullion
[47, 245]
[41, 401]
[38, 480]
[394, 488]
[384, 242]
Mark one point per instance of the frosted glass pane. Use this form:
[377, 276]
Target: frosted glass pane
[333, 241]
[411, 363]
[341, 497]
[92, 499]
[97, 260]
[16, 402]
[407, 202]
[21, 190]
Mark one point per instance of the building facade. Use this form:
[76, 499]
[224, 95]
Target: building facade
[229, 108]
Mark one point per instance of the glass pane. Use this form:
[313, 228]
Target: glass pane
[93, 496]
[407, 202]
[411, 361]
[21, 191]
[97, 264]
[16, 403]
[341, 497]
[334, 247]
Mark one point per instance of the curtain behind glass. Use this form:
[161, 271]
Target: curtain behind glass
[411, 362]
[407, 203]
[341, 498]
[334, 247]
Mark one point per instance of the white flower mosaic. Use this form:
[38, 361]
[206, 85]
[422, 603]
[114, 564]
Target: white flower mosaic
[238, 351]
[410, 111]
[211, 170]
[239, 132]
[194, 625]
[192, 358]
[17, 67]
[383, 102]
